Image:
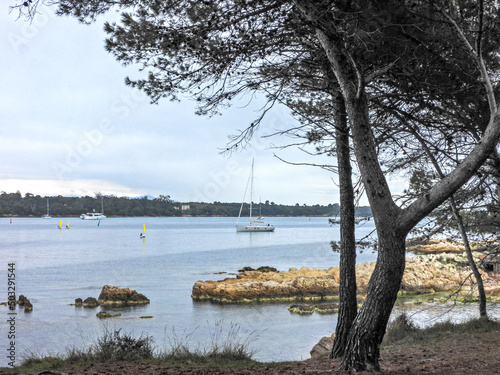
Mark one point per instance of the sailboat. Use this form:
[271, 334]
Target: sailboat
[60, 224]
[67, 225]
[143, 234]
[47, 216]
[253, 225]
[260, 217]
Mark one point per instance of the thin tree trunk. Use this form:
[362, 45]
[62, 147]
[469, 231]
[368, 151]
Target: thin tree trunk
[347, 289]
[463, 232]
[470, 258]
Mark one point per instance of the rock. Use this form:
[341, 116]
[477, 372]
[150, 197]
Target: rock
[78, 302]
[435, 246]
[324, 308]
[90, 302]
[260, 269]
[28, 307]
[267, 269]
[104, 314]
[22, 300]
[423, 274]
[301, 309]
[114, 295]
[245, 269]
[323, 347]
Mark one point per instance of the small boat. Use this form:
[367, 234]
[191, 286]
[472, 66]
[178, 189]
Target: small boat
[94, 215]
[67, 225]
[253, 225]
[60, 224]
[143, 234]
[260, 217]
[47, 216]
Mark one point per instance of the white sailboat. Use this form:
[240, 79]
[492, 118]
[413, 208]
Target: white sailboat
[253, 225]
[47, 216]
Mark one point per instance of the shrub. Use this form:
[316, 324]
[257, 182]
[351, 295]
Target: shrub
[122, 347]
[400, 328]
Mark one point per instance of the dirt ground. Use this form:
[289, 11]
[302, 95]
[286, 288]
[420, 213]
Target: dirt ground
[472, 354]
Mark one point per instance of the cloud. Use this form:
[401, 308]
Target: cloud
[69, 125]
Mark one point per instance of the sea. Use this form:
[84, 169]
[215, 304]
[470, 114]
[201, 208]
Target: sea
[53, 266]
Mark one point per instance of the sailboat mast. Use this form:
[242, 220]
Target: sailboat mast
[251, 190]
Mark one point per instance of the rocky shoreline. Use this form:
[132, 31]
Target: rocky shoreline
[429, 273]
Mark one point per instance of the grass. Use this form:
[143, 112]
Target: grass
[402, 331]
[226, 350]
[228, 347]
[111, 346]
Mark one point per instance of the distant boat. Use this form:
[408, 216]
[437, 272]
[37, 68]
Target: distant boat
[47, 216]
[143, 234]
[94, 215]
[260, 217]
[67, 225]
[60, 224]
[253, 225]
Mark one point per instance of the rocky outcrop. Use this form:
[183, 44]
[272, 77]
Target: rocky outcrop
[104, 315]
[22, 300]
[28, 307]
[90, 302]
[423, 274]
[114, 295]
[25, 302]
[324, 308]
[295, 285]
[434, 246]
[323, 348]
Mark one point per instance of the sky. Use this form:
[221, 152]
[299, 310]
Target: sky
[70, 126]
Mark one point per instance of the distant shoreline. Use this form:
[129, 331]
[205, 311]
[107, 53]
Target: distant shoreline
[124, 217]
[29, 205]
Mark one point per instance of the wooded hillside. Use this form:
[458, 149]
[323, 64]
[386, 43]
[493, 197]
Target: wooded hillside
[29, 205]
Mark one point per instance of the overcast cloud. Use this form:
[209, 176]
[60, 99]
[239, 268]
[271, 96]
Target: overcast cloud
[70, 126]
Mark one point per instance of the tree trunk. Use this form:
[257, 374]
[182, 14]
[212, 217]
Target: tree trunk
[461, 228]
[347, 289]
[367, 332]
[472, 263]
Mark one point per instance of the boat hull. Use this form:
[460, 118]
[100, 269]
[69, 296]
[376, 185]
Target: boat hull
[92, 216]
[254, 228]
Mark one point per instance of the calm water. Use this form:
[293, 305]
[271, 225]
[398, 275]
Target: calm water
[55, 266]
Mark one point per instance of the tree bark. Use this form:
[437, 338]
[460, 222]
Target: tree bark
[362, 352]
[347, 290]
